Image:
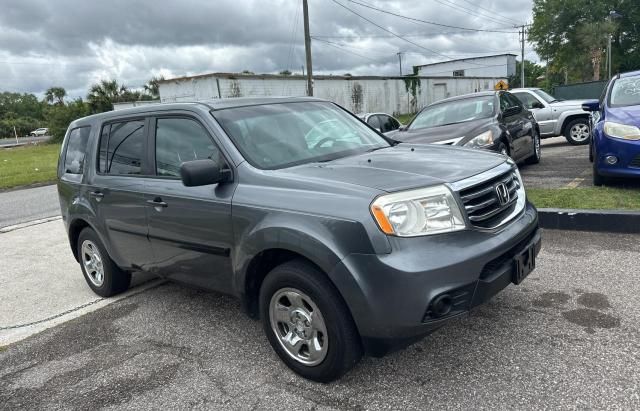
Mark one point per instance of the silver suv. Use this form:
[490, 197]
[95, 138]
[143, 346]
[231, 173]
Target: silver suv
[556, 117]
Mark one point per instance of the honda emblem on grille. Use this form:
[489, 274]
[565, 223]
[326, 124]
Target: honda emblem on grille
[503, 193]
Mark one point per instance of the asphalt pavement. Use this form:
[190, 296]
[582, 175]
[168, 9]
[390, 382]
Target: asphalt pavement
[567, 338]
[561, 166]
[19, 206]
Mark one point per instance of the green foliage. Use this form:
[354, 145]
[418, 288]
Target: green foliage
[532, 75]
[572, 36]
[58, 117]
[285, 73]
[55, 95]
[152, 88]
[585, 198]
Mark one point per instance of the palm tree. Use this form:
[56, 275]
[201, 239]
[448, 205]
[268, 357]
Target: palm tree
[55, 95]
[102, 95]
[593, 37]
[153, 86]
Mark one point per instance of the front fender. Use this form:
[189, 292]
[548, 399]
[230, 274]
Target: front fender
[323, 240]
[565, 115]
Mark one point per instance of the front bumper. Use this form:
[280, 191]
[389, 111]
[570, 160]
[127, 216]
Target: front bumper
[627, 152]
[392, 296]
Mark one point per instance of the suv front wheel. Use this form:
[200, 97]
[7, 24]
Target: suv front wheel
[307, 323]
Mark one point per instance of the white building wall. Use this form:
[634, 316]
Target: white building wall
[492, 66]
[360, 95]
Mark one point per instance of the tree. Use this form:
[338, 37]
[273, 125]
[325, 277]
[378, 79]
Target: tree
[59, 116]
[247, 72]
[55, 95]
[532, 74]
[285, 73]
[102, 95]
[571, 36]
[153, 86]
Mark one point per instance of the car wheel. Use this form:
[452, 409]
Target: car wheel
[537, 150]
[307, 323]
[598, 179]
[103, 276]
[577, 132]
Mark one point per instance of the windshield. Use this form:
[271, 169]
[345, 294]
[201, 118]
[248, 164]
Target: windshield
[545, 96]
[456, 111]
[273, 136]
[625, 92]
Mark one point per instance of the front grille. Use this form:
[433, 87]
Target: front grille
[635, 162]
[484, 207]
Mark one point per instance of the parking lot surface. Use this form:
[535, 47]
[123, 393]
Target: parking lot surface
[561, 166]
[568, 337]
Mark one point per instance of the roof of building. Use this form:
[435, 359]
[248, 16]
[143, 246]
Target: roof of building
[466, 59]
[299, 77]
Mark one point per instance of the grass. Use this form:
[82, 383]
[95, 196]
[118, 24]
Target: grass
[405, 118]
[28, 165]
[586, 198]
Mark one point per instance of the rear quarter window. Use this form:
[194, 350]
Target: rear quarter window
[76, 151]
[121, 148]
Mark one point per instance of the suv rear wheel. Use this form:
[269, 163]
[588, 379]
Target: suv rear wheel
[307, 323]
[577, 132]
[103, 276]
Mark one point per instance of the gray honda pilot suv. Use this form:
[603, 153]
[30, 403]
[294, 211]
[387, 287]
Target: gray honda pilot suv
[341, 240]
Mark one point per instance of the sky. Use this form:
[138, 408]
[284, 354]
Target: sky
[75, 43]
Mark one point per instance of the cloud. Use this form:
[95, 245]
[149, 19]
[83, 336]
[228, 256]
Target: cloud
[72, 43]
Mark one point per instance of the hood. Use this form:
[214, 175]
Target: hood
[466, 130]
[402, 167]
[626, 115]
[569, 103]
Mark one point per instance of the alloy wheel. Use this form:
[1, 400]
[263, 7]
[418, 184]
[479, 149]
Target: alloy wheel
[299, 326]
[92, 262]
[579, 132]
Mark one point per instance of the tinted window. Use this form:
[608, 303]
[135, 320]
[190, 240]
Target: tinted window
[526, 99]
[374, 122]
[121, 148]
[179, 140]
[386, 124]
[76, 150]
[455, 111]
[274, 136]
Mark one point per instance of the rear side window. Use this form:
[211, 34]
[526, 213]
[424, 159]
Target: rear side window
[374, 122]
[76, 150]
[179, 140]
[121, 147]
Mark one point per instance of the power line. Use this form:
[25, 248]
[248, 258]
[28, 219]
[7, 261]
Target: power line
[395, 34]
[467, 10]
[337, 46]
[497, 30]
[493, 12]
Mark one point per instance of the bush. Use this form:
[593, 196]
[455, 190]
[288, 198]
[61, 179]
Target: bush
[58, 117]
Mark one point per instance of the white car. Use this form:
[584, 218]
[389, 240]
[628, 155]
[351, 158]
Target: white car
[382, 122]
[39, 132]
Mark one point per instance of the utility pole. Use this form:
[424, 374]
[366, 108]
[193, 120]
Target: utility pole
[400, 60]
[522, 59]
[307, 47]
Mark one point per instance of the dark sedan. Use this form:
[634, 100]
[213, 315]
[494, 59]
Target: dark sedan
[492, 120]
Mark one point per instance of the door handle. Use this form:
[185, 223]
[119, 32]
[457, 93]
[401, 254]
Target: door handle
[157, 202]
[97, 195]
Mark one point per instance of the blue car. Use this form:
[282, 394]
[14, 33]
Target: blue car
[615, 146]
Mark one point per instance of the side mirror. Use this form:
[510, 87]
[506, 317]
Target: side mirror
[201, 173]
[402, 127]
[591, 105]
[537, 104]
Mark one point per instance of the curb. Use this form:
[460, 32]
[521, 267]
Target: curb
[19, 226]
[609, 221]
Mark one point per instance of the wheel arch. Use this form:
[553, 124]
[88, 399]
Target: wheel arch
[568, 118]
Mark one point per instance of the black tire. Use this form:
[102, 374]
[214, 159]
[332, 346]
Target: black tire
[598, 179]
[344, 348]
[571, 125]
[537, 150]
[115, 280]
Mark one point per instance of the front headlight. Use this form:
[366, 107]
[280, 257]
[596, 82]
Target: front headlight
[413, 213]
[623, 131]
[482, 140]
